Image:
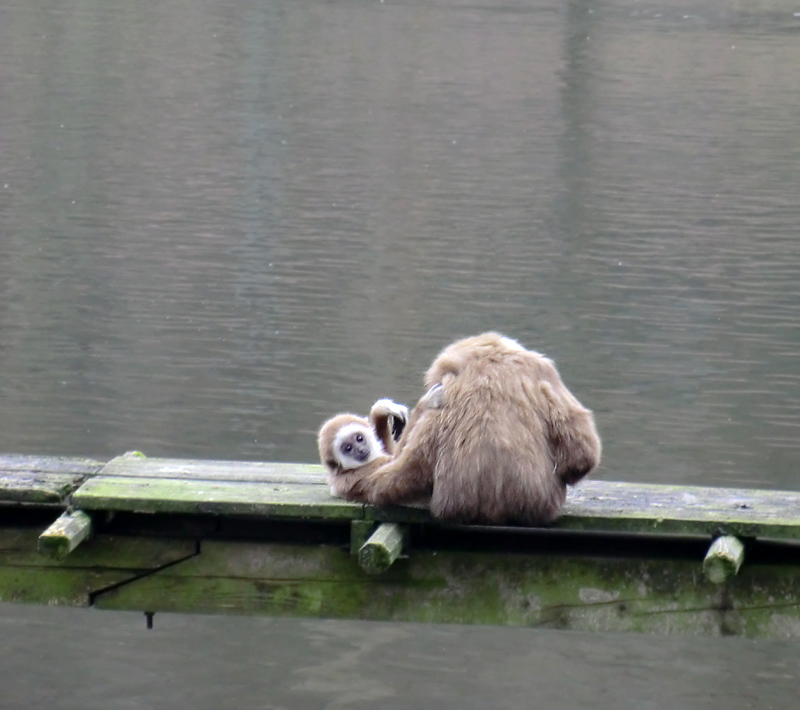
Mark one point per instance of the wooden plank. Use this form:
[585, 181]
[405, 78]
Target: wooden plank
[42, 480]
[37, 488]
[650, 508]
[166, 495]
[669, 596]
[25, 463]
[241, 471]
[611, 506]
[26, 576]
[252, 488]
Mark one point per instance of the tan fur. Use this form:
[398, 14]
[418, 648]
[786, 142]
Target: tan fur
[377, 431]
[500, 443]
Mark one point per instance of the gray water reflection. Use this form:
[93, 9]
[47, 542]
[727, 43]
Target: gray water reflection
[210, 662]
[221, 225]
[221, 222]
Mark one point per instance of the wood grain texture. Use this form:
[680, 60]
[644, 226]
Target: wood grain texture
[168, 495]
[98, 564]
[665, 596]
[233, 471]
[299, 490]
[639, 507]
[42, 480]
[382, 548]
[65, 534]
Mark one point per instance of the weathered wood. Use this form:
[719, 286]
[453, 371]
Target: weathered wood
[234, 471]
[98, 564]
[724, 558]
[129, 483]
[42, 480]
[686, 510]
[167, 495]
[65, 534]
[382, 548]
[360, 530]
[287, 550]
[668, 596]
[25, 463]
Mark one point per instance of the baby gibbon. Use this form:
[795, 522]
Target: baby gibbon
[351, 446]
[496, 439]
[350, 443]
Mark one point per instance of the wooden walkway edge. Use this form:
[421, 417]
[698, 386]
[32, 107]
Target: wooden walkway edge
[267, 538]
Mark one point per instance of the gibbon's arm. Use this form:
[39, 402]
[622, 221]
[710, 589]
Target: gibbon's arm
[404, 479]
[408, 477]
[575, 444]
[342, 484]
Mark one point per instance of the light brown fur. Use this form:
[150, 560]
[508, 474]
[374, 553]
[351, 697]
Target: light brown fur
[377, 432]
[499, 445]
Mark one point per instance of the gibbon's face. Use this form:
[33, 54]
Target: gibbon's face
[354, 446]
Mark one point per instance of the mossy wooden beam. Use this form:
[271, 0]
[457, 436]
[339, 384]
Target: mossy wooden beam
[254, 488]
[683, 510]
[65, 534]
[42, 480]
[382, 548]
[724, 558]
[666, 596]
[169, 495]
[100, 563]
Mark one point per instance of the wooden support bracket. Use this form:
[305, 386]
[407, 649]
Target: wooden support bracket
[360, 530]
[65, 534]
[383, 547]
[724, 558]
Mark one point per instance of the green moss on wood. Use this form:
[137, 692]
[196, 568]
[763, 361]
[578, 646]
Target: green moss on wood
[382, 548]
[42, 480]
[360, 530]
[724, 558]
[665, 596]
[65, 534]
[167, 495]
[686, 510]
[27, 576]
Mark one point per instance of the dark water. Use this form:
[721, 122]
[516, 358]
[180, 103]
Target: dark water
[221, 222]
[52, 659]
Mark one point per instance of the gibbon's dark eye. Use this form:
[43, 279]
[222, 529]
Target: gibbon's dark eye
[347, 448]
[360, 438]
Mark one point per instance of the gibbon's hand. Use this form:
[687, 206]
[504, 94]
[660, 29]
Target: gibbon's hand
[397, 413]
[342, 484]
[433, 398]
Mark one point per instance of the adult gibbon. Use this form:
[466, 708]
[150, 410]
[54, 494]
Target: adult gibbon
[496, 439]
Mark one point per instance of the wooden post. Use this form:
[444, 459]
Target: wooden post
[384, 546]
[724, 558]
[65, 534]
[360, 530]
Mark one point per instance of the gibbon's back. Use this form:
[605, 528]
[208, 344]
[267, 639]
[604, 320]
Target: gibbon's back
[493, 461]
